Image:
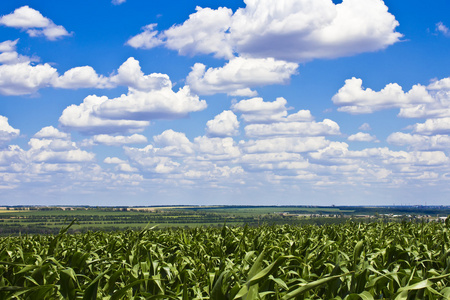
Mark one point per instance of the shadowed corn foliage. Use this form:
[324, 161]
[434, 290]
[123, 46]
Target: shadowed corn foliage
[346, 261]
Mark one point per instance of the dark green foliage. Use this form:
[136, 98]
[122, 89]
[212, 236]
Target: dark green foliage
[342, 261]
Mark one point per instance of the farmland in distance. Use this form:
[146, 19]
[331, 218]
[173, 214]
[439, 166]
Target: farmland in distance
[45, 220]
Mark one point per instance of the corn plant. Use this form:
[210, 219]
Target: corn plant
[346, 261]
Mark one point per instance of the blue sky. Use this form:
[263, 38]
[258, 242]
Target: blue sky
[261, 102]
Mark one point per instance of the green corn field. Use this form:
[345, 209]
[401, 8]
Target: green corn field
[345, 261]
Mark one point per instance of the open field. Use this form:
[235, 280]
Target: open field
[15, 220]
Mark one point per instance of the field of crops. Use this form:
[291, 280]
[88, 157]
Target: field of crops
[376, 260]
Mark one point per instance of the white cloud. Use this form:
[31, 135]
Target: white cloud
[203, 32]
[8, 46]
[130, 74]
[156, 104]
[285, 144]
[7, 132]
[126, 168]
[147, 39]
[365, 127]
[8, 54]
[24, 78]
[443, 84]
[148, 160]
[122, 165]
[51, 132]
[173, 143]
[171, 138]
[84, 118]
[118, 2]
[239, 75]
[18, 76]
[433, 126]
[432, 101]
[304, 29]
[280, 161]
[216, 148]
[49, 145]
[119, 140]
[81, 77]
[371, 158]
[354, 99]
[11, 156]
[113, 160]
[362, 137]
[324, 128]
[25, 17]
[34, 23]
[440, 27]
[298, 30]
[256, 110]
[71, 156]
[420, 142]
[149, 97]
[223, 125]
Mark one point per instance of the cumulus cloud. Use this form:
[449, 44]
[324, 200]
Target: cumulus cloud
[24, 78]
[353, 98]
[19, 76]
[275, 162]
[7, 132]
[56, 163]
[325, 128]
[256, 110]
[49, 145]
[223, 125]
[203, 32]
[432, 101]
[122, 165]
[51, 132]
[443, 84]
[34, 23]
[297, 31]
[173, 143]
[118, 140]
[147, 39]
[216, 148]
[157, 104]
[8, 46]
[362, 137]
[239, 75]
[11, 157]
[148, 160]
[398, 161]
[365, 127]
[285, 144]
[171, 138]
[130, 74]
[130, 112]
[81, 77]
[9, 55]
[149, 97]
[113, 160]
[70, 156]
[420, 142]
[440, 27]
[433, 126]
[126, 168]
[84, 118]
